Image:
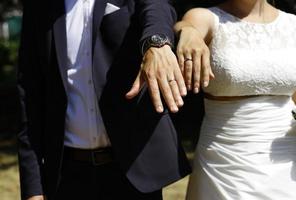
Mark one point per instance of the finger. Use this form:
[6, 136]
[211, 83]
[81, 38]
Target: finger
[196, 73]
[136, 88]
[188, 72]
[205, 69]
[154, 94]
[176, 93]
[180, 82]
[212, 75]
[181, 61]
[167, 94]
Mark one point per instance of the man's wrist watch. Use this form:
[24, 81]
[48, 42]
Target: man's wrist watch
[157, 40]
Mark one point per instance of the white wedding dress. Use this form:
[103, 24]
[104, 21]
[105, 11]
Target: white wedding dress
[247, 148]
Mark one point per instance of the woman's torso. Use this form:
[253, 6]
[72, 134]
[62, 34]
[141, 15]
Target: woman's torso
[246, 148]
[251, 58]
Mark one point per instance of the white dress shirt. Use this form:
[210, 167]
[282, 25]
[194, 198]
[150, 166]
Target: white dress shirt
[84, 126]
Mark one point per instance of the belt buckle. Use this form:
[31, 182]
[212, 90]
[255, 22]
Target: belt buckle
[93, 154]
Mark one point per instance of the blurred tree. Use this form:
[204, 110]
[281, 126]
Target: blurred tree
[9, 106]
[7, 6]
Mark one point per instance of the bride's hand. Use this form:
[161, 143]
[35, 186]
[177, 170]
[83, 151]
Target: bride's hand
[194, 58]
[37, 197]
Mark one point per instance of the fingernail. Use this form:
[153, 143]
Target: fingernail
[174, 109]
[196, 90]
[180, 102]
[159, 109]
[189, 87]
[205, 83]
[184, 91]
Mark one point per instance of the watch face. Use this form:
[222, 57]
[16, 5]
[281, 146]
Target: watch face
[157, 39]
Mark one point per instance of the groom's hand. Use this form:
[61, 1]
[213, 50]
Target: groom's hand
[161, 72]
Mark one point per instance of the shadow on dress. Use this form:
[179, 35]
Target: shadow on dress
[284, 149]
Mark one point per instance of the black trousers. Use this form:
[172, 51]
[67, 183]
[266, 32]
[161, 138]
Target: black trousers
[84, 181]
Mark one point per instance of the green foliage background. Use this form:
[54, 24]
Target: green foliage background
[8, 55]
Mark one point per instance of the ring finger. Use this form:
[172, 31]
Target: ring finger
[188, 71]
[196, 73]
[168, 95]
[175, 91]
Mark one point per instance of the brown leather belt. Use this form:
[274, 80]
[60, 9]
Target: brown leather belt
[93, 156]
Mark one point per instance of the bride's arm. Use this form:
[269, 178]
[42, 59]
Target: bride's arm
[194, 32]
[201, 19]
[294, 97]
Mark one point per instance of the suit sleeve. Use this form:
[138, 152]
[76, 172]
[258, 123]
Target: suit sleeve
[156, 17]
[31, 93]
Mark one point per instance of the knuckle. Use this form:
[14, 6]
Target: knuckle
[150, 75]
[179, 51]
[195, 51]
[160, 73]
[206, 51]
[196, 83]
[186, 51]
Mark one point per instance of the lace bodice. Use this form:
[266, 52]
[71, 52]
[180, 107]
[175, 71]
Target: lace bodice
[251, 58]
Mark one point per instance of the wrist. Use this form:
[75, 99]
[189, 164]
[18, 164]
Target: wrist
[156, 50]
[181, 25]
[190, 31]
[36, 197]
[190, 28]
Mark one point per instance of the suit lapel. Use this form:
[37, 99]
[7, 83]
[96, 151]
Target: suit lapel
[98, 14]
[59, 29]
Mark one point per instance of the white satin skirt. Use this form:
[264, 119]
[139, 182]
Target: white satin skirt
[246, 151]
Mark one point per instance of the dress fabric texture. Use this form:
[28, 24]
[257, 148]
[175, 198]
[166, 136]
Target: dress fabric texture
[247, 147]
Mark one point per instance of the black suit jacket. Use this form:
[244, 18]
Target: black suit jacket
[145, 143]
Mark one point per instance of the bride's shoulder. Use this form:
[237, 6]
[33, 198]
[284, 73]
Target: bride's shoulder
[288, 17]
[287, 22]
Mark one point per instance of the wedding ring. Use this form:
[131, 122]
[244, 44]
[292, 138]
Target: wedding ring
[188, 59]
